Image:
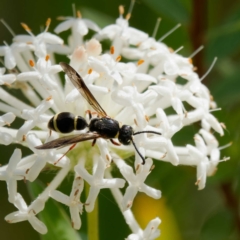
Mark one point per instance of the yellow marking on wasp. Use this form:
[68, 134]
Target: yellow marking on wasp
[75, 122]
[55, 123]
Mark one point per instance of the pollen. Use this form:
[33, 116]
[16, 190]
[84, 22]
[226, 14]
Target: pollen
[147, 118]
[90, 70]
[128, 16]
[47, 57]
[190, 60]
[25, 26]
[152, 167]
[48, 22]
[141, 61]
[49, 98]
[31, 63]
[118, 59]
[121, 10]
[135, 121]
[79, 15]
[112, 50]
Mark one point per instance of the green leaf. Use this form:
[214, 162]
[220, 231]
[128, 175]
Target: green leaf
[54, 217]
[173, 9]
[218, 226]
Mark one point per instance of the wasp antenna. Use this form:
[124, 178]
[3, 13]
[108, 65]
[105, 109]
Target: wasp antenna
[147, 132]
[141, 156]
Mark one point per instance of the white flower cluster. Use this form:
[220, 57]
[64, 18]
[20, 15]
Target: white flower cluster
[136, 92]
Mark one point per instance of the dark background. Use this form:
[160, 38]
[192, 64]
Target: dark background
[186, 213]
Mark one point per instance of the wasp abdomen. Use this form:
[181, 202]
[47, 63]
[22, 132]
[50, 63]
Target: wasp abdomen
[66, 122]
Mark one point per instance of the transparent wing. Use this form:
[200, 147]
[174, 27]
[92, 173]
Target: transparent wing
[68, 140]
[78, 82]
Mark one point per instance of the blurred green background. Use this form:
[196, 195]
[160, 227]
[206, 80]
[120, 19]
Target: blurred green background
[186, 213]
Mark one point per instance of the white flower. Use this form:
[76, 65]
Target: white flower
[12, 174]
[28, 213]
[136, 182]
[79, 27]
[97, 181]
[6, 119]
[137, 92]
[149, 233]
[75, 206]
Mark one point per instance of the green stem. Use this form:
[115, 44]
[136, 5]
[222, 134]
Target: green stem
[92, 219]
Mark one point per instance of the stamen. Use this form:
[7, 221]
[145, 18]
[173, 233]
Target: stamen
[49, 98]
[209, 70]
[26, 28]
[169, 32]
[141, 61]
[90, 70]
[118, 59]
[121, 10]
[61, 18]
[74, 10]
[222, 160]
[8, 27]
[128, 16]
[135, 121]
[79, 15]
[215, 109]
[196, 51]
[179, 49]
[156, 27]
[31, 63]
[47, 57]
[48, 22]
[112, 49]
[225, 146]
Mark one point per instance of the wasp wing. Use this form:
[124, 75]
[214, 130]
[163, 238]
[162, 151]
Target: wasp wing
[68, 140]
[79, 84]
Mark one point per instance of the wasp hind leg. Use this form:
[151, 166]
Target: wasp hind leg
[55, 163]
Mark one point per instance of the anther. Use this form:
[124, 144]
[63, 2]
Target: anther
[118, 58]
[25, 26]
[141, 61]
[48, 22]
[79, 15]
[121, 10]
[112, 50]
[31, 63]
[47, 57]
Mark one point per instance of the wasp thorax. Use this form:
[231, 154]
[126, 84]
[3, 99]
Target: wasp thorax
[66, 122]
[106, 127]
[125, 134]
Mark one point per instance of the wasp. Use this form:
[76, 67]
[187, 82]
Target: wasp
[102, 126]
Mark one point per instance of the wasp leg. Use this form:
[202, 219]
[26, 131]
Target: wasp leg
[65, 153]
[93, 142]
[89, 114]
[50, 132]
[115, 143]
